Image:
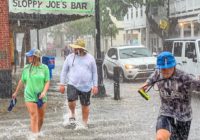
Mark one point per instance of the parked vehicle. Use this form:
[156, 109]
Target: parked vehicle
[187, 54]
[135, 62]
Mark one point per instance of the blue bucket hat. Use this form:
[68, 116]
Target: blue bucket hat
[165, 60]
[33, 52]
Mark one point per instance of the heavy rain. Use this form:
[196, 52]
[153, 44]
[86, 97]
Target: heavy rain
[99, 69]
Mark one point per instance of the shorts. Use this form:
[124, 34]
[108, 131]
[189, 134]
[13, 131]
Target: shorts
[73, 94]
[179, 130]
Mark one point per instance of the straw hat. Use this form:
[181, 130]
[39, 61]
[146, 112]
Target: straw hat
[79, 44]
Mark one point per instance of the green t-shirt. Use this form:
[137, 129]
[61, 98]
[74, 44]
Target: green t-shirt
[34, 79]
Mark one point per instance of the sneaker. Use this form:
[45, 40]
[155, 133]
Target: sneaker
[70, 122]
[81, 127]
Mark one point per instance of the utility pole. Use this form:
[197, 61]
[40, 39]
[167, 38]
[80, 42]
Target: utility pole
[38, 39]
[99, 60]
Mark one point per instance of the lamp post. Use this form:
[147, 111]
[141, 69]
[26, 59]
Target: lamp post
[99, 61]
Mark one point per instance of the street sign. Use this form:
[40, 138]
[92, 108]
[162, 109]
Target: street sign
[69, 7]
[164, 24]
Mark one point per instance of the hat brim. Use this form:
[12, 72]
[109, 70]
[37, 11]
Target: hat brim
[29, 54]
[166, 66]
[76, 46]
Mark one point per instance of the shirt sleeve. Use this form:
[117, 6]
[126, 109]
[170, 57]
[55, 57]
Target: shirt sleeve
[190, 82]
[64, 71]
[153, 77]
[24, 74]
[94, 73]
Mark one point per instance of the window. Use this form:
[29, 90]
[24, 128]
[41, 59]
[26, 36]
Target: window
[131, 13]
[168, 45]
[112, 52]
[190, 51]
[141, 11]
[136, 13]
[178, 49]
[133, 53]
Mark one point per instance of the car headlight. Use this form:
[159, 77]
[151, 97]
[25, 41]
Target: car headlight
[128, 66]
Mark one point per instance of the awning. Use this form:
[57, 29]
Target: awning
[44, 13]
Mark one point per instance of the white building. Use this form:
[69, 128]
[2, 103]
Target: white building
[188, 14]
[138, 31]
[135, 26]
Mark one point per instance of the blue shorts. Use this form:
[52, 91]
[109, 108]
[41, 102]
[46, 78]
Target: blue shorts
[179, 130]
[73, 94]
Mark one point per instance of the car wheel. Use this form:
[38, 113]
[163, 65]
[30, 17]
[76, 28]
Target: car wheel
[105, 73]
[121, 76]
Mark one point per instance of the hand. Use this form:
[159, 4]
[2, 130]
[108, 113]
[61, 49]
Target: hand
[144, 86]
[14, 95]
[42, 95]
[94, 90]
[62, 89]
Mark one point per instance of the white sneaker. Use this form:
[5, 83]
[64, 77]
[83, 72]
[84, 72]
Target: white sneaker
[69, 122]
[81, 127]
[32, 136]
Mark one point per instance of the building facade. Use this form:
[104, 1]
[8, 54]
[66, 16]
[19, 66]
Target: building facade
[188, 14]
[135, 26]
[138, 31]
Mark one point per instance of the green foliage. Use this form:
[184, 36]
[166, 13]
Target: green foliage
[85, 26]
[120, 7]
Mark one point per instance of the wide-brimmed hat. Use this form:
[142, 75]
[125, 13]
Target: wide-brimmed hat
[34, 52]
[79, 44]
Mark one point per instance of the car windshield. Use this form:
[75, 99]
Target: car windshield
[134, 52]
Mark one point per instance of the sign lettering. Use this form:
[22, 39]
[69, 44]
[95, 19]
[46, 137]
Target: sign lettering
[81, 7]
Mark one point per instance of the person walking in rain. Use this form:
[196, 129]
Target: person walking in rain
[174, 86]
[66, 51]
[35, 77]
[80, 73]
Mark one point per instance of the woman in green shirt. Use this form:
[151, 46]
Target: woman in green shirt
[35, 77]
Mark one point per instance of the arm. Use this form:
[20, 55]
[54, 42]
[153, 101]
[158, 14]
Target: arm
[63, 76]
[190, 82]
[46, 87]
[94, 78]
[19, 86]
[154, 77]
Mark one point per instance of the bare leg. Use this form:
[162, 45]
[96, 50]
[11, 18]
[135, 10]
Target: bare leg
[72, 107]
[85, 114]
[41, 115]
[33, 113]
[163, 134]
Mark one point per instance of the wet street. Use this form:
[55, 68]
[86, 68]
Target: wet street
[131, 118]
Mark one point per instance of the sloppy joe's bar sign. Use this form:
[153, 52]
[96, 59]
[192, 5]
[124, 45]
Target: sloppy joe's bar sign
[82, 7]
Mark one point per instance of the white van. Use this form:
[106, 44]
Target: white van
[187, 54]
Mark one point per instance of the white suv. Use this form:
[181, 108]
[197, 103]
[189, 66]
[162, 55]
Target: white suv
[136, 62]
